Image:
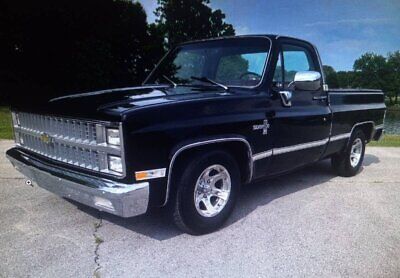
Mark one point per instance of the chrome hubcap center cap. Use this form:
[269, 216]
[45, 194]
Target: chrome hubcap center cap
[212, 190]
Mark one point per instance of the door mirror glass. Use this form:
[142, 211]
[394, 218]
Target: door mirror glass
[307, 81]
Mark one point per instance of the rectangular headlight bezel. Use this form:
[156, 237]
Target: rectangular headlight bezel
[113, 136]
[112, 163]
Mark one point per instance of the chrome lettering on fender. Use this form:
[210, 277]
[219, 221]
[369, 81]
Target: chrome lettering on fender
[265, 126]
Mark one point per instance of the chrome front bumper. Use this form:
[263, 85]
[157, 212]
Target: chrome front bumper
[125, 200]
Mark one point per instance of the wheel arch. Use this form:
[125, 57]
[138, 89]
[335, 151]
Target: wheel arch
[367, 128]
[237, 146]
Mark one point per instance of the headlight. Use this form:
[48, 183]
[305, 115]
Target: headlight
[113, 137]
[115, 163]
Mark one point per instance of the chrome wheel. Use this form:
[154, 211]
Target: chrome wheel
[212, 190]
[355, 153]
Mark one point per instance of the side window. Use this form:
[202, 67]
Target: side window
[296, 58]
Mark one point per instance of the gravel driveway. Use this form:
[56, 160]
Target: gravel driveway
[309, 223]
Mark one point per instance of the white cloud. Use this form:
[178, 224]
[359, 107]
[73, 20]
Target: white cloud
[242, 30]
[363, 21]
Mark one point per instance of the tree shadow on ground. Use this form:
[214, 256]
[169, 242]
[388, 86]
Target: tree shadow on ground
[157, 225]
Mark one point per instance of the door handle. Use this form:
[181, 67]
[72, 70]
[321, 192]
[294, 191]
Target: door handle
[321, 98]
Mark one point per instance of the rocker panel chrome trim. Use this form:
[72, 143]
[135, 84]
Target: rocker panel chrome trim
[340, 136]
[262, 155]
[355, 93]
[277, 151]
[300, 147]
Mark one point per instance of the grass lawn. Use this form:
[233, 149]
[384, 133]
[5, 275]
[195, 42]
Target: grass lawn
[5, 124]
[387, 141]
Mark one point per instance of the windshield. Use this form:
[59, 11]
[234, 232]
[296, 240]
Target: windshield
[231, 62]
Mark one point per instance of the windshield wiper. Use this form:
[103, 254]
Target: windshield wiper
[208, 80]
[169, 80]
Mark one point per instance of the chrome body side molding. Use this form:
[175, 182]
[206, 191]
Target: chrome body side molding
[356, 93]
[340, 137]
[278, 151]
[300, 147]
[261, 155]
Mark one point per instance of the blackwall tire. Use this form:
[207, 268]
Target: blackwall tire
[197, 209]
[348, 162]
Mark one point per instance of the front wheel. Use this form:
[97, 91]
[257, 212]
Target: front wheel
[348, 162]
[207, 192]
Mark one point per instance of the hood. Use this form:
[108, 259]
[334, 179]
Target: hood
[111, 104]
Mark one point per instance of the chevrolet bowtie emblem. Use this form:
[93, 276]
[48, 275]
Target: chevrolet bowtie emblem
[45, 138]
[265, 126]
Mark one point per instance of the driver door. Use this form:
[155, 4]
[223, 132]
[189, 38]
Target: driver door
[301, 129]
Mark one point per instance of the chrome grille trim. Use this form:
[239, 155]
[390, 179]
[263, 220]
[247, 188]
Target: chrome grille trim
[69, 129]
[76, 142]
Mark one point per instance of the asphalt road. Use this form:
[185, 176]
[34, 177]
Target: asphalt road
[309, 223]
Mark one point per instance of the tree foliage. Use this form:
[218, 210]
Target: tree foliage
[370, 71]
[331, 77]
[56, 47]
[393, 79]
[52, 48]
[183, 20]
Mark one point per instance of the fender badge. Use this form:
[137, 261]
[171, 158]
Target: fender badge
[265, 126]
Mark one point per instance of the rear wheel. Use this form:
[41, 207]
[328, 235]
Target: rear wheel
[207, 192]
[348, 162]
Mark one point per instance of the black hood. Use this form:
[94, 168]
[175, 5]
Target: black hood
[111, 104]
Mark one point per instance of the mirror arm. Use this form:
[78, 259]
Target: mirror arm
[286, 97]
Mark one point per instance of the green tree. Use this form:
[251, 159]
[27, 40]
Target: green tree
[183, 20]
[331, 76]
[346, 79]
[51, 47]
[393, 61]
[372, 71]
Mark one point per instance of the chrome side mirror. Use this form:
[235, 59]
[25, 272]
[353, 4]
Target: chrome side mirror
[307, 81]
[286, 97]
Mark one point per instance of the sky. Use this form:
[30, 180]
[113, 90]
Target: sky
[342, 30]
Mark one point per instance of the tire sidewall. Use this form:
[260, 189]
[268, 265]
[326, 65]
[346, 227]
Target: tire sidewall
[187, 185]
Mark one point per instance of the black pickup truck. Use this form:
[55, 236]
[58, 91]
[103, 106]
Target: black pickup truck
[212, 116]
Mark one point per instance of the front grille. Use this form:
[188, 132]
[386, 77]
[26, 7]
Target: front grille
[68, 129]
[83, 157]
[76, 142]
